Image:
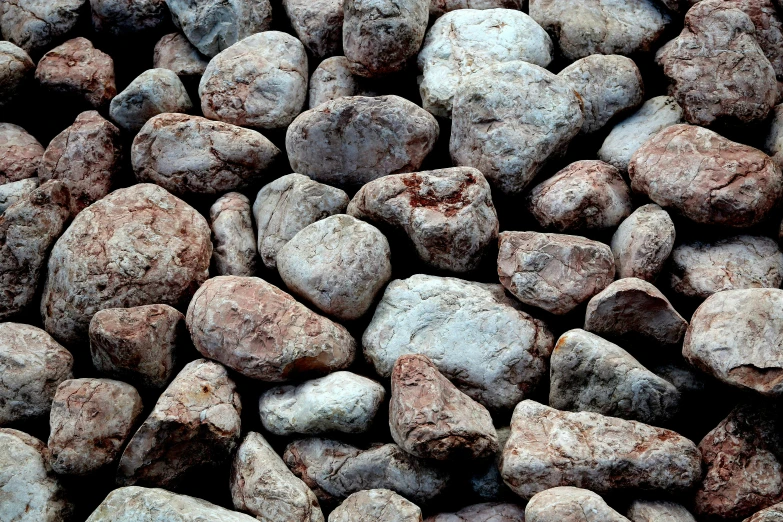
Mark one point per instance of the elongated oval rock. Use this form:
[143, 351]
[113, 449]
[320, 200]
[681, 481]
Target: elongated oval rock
[376, 505]
[486, 512]
[153, 92]
[235, 239]
[16, 70]
[658, 511]
[12, 192]
[643, 242]
[569, 504]
[263, 333]
[550, 448]
[20, 153]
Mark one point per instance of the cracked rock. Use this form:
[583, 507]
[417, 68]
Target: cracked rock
[771, 514]
[124, 17]
[16, 70]
[318, 24]
[20, 154]
[333, 79]
[447, 214]
[658, 511]
[569, 504]
[153, 92]
[643, 242]
[12, 192]
[487, 512]
[176, 53]
[376, 505]
[235, 239]
[34, 25]
[261, 332]
[90, 421]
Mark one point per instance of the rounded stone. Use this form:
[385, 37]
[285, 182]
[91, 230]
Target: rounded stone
[318, 24]
[332, 79]
[20, 154]
[569, 504]
[153, 92]
[643, 242]
[12, 192]
[128, 17]
[16, 70]
[376, 505]
[485, 512]
[658, 511]
[174, 52]
[234, 237]
[34, 25]
[439, 7]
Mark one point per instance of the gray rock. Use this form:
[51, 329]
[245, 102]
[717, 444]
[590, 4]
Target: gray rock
[153, 92]
[12, 192]
[683, 376]
[124, 18]
[569, 504]
[773, 513]
[439, 7]
[774, 142]
[318, 24]
[486, 512]
[333, 79]
[235, 239]
[485, 480]
[658, 511]
[174, 52]
[643, 242]
[16, 70]
[376, 505]
[34, 25]
[20, 154]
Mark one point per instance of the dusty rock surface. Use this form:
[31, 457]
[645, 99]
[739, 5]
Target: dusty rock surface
[20, 153]
[174, 52]
[439, 7]
[234, 236]
[643, 242]
[12, 192]
[16, 70]
[569, 504]
[125, 18]
[333, 79]
[318, 24]
[770, 514]
[34, 25]
[376, 505]
[486, 512]
[658, 511]
[153, 92]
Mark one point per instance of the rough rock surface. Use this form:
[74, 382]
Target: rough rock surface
[502, 352]
[340, 401]
[586, 195]
[486, 512]
[137, 344]
[448, 214]
[234, 236]
[16, 70]
[263, 485]
[376, 505]
[12, 192]
[588, 373]
[643, 242]
[550, 448]
[333, 79]
[569, 504]
[289, 204]
[769, 29]
[261, 81]
[263, 333]
[193, 155]
[771, 514]
[20, 153]
[706, 177]
[32, 365]
[487, 484]
[128, 17]
[176, 53]
[351, 141]
[90, 421]
[34, 25]
[339, 264]
[195, 424]
[773, 145]
[139, 245]
[440, 7]
[153, 92]
[464, 41]
[510, 119]
[658, 511]
[318, 24]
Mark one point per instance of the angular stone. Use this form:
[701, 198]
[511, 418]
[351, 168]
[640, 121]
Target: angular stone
[16, 70]
[123, 17]
[34, 25]
[569, 504]
[771, 514]
[235, 239]
[333, 79]
[376, 505]
[658, 511]
[153, 92]
[20, 154]
[176, 53]
[318, 24]
[502, 352]
[643, 242]
[263, 333]
[12, 192]
[487, 512]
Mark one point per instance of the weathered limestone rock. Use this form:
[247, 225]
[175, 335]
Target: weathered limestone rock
[643, 242]
[20, 154]
[340, 401]
[176, 53]
[263, 333]
[333, 79]
[12, 192]
[318, 24]
[569, 504]
[770, 514]
[34, 25]
[487, 512]
[235, 239]
[658, 511]
[502, 352]
[440, 7]
[550, 448]
[376, 505]
[128, 17]
[195, 424]
[153, 92]
[90, 421]
[510, 119]
[16, 70]
[769, 29]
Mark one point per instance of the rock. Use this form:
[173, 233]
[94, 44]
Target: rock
[588, 373]
[263, 485]
[20, 154]
[376, 505]
[86, 157]
[586, 195]
[135, 504]
[28, 228]
[235, 239]
[90, 421]
[338, 264]
[193, 155]
[742, 460]
[733, 337]
[352, 141]
[430, 418]
[628, 135]
[380, 37]
[318, 24]
[771, 514]
[214, 25]
[717, 69]
[658, 511]
[768, 29]
[487, 512]
[29, 490]
[700, 269]
[195, 424]
[263, 333]
[510, 119]
[176, 53]
[502, 353]
[153, 92]
[261, 81]
[138, 245]
[16, 70]
[341, 401]
[643, 242]
[774, 142]
[634, 308]
[12, 192]
[333, 79]
[569, 504]
[682, 375]
[464, 41]
[600, 26]
[289, 204]
[485, 480]
[123, 18]
[137, 344]
[550, 448]
[34, 25]
[706, 177]
[78, 70]
[32, 365]
[334, 470]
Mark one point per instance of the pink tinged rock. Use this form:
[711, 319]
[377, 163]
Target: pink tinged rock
[333, 79]
[90, 421]
[12, 192]
[234, 238]
[128, 17]
[20, 154]
[263, 333]
[569, 504]
[643, 242]
[16, 70]
[769, 29]
[153, 92]
[34, 25]
[195, 424]
[486, 512]
[376, 505]
[318, 24]
[771, 514]
[176, 53]
[658, 511]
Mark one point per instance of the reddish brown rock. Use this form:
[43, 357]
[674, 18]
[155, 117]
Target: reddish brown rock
[769, 29]
[20, 154]
[376, 505]
[176, 53]
[487, 512]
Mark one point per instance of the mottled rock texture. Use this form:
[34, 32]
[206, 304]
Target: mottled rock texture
[176, 53]
[318, 24]
[34, 25]
[569, 504]
[769, 29]
[233, 235]
[333, 79]
[376, 505]
[439, 7]
[658, 511]
[16, 70]
[120, 18]
[486, 512]
[643, 242]
[20, 153]
[771, 514]
[12, 192]
[153, 92]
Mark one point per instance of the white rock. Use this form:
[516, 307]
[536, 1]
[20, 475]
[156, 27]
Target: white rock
[643, 242]
[12, 192]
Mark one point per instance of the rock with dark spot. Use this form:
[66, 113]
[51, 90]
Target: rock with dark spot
[376, 505]
[176, 53]
[128, 17]
[318, 24]
[153, 92]
[20, 154]
[643, 242]
[235, 239]
[569, 504]
[34, 25]
[16, 70]
[12, 192]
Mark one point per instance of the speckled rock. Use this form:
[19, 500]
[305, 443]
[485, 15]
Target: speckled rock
[333, 79]
[174, 52]
[569, 504]
[194, 425]
[263, 485]
[86, 157]
[510, 119]
[658, 511]
[550, 448]
[318, 24]
[261, 81]
[289, 204]
[193, 155]
[32, 365]
[34, 25]
[263, 333]
[586, 195]
[90, 421]
[464, 41]
[234, 237]
[139, 245]
[153, 92]
[376, 505]
[486, 512]
[354, 140]
[137, 344]
[128, 17]
[341, 401]
[447, 214]
[771, 514]
[20, 153]
[502, 352]
[643, 242]
[12, 192]
[439, 7]
[16, 70]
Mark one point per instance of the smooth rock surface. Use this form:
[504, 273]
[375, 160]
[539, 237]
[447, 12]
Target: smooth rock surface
[333, 79]
[643, 242]
[153, 92]
[20, 154]
[376, 505]
[486, 512]
[658, 511]
[569, 504]
[16, 70]
[174, 52]
[233, 235]
[12, 192]
[34, 25]
[128, 17]
[318, 24]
